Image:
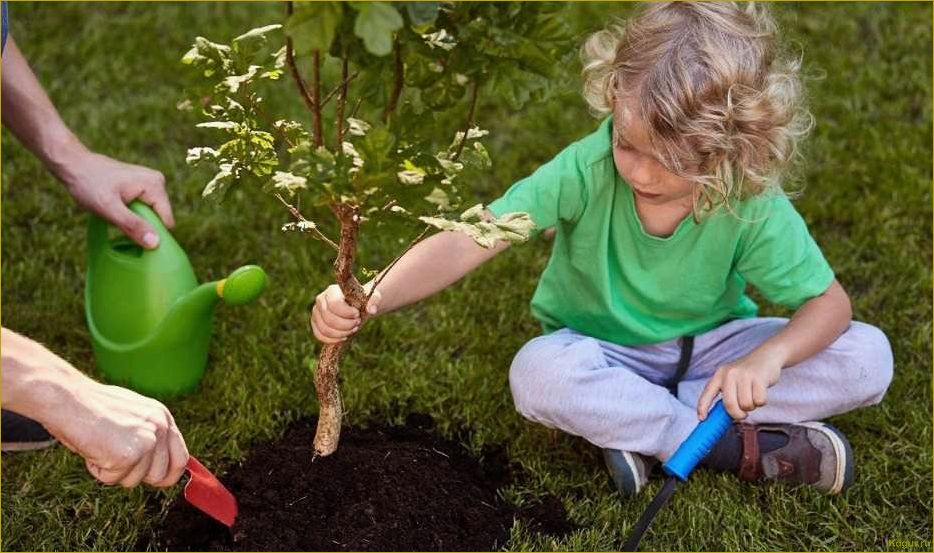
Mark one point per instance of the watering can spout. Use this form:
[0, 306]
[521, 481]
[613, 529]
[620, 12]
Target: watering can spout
[242, 286]
[195, 308]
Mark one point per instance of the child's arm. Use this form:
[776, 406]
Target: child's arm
[429, 267]
[814, 326]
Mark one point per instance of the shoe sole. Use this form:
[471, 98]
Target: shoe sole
[25, 446]
[843, 475]
[634, 471]
[630, 484]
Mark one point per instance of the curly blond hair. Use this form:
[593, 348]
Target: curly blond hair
[721, 105]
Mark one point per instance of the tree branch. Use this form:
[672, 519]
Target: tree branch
[470, 113]
[293, 68]
[341, 102]
[338, 88]
[397, 84]
[316, 94]
[301, 219]
[353, 113]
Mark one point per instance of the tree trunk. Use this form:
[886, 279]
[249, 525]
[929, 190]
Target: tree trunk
[327, 373]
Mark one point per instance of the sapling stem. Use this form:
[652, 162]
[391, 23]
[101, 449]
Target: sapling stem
[327, 373]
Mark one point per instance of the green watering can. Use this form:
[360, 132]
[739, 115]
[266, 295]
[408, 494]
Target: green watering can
[150, 320]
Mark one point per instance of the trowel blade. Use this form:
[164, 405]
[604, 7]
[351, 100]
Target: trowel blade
[205, 492]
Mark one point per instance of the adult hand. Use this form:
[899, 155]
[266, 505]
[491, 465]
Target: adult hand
[743, 384]
[99, 184]
[105, 186]
[125, 438]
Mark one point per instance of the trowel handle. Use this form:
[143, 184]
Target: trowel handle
[699, 443]
[98, 228]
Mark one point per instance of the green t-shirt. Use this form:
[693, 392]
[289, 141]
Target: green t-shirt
[609, 279]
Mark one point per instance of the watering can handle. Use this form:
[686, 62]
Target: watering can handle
[98, 227]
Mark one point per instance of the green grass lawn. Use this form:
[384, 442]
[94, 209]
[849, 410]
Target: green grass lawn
[113, 71]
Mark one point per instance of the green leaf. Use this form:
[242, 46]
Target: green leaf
[204, 49]
[293, 131]
[377, 146]
[312, 25]
[223, 178]
[422, 15]
[224, 125]
[280, 58]
[375, 24]
[234, 82]
[476, 157]
[411, 176]
[257, 33]
[439, 198]
[209, 56]
[357, 127]
[357, 162]
[287, 182]
[200, 155]
[440, 39]
[511, 227]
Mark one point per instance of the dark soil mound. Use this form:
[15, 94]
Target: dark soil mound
[390, 489]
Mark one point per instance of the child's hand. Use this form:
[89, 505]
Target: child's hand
[743, 385]
[333, 319]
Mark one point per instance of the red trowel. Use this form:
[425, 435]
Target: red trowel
[205, 492]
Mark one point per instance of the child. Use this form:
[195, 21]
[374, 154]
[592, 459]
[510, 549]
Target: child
[662, 218]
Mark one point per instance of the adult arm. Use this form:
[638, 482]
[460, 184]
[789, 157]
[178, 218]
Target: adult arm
[97, 183]
[125, 438]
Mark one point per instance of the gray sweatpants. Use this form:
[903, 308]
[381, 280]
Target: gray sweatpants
[615, 397]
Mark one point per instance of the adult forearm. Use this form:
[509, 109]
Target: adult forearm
[36, 382]
[124, 437]
[816, 325]
[30, 115]
[431, 266]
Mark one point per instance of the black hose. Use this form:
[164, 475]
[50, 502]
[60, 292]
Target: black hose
[635, 536]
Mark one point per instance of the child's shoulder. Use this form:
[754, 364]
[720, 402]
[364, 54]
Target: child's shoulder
[770, 215]
[596, 147]
[591, 148]
[773, 202]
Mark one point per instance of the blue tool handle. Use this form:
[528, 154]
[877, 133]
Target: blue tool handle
[699, 443]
